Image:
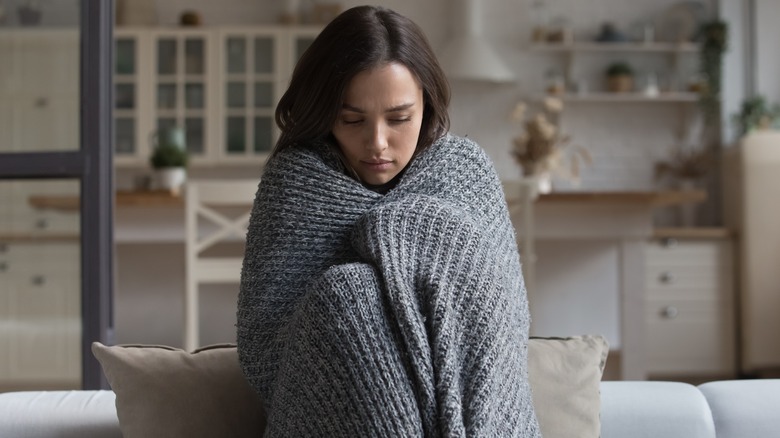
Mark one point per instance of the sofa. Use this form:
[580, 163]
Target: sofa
[162, 391]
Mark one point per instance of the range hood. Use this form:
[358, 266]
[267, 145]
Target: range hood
[468, 56]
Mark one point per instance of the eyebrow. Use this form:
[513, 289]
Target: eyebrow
[396, 108]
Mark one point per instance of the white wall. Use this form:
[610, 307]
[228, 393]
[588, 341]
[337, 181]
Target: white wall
[767, 36]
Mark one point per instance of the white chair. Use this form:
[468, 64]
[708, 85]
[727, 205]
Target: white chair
[207, 223]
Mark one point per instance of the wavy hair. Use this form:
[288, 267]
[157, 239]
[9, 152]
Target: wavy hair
[359, 39]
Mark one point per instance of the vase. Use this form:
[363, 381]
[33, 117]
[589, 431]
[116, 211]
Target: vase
[170, 179]
[540, 174]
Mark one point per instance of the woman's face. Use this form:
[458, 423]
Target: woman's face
[379, 122]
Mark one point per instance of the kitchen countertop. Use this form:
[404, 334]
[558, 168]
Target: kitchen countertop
[123, 198]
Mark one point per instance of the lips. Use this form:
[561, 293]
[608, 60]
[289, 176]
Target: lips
[377, 164]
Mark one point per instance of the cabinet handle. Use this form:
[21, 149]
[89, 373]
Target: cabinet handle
[3, 247]
[669, 312]
[38, 280]
[3, 266]
[41, 102]
[42, 224]
[669, 242]
[666, 277]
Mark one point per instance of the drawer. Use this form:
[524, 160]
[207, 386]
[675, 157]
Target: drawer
[721, 292]
[687, 253]
[42, 258]
[689, 336]
[670, 277]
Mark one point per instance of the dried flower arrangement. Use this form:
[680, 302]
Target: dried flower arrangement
[685, 164]
[541, 148]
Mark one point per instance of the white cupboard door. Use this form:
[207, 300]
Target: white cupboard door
[46, 63]
[6, 124]
[7, 66]
[43, 313]
[46, 123]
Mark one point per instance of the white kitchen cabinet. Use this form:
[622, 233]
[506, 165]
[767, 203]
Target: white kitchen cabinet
[752, 178]
[40, 336]
[18, 216]
[690, 307]
[220, 84]
[39, 90]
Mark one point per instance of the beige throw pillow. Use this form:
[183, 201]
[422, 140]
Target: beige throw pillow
[565, 374]
[167, 392]
[163, 391]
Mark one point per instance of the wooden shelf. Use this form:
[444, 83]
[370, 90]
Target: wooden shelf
[693, 233]
[607, 97]
[616, 47]
[655, 198]
[129, 198]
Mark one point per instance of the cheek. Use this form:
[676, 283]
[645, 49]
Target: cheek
[348, 142]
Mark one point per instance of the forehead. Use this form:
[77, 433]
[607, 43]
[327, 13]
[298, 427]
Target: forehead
[384, 81]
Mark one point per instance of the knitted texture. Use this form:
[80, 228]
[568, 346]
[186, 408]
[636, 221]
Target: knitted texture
[395, 315]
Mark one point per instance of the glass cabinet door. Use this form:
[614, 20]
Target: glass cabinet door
[180, 87]
[250, 68]
[126, 96]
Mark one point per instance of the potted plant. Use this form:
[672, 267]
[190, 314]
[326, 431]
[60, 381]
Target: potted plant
[169, 159]
[756, 113]
[687, 168]
[620, 77]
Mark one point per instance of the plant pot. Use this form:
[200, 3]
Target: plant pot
[29, 16]
[170, 178]
[536, 172]
[620, 83]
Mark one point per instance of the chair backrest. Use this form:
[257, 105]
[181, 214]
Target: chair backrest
[216, 212]
[206, 225]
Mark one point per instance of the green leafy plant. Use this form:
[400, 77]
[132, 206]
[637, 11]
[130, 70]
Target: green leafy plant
[619, 69]
[714, 35]
[168, 155]
[756, 113]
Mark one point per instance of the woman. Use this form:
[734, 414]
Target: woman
[381, 293]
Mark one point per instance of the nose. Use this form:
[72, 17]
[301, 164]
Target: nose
[376, 138]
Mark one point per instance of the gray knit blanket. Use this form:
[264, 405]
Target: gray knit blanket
[398, 315]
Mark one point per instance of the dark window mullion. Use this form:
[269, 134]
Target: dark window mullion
[97, 190]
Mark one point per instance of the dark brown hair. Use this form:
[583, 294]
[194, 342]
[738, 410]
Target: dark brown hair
[359, 39]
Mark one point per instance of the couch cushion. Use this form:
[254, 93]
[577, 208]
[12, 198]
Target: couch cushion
[565, 375]
[654, 409]
[744, 408]
[62, 414]
[163, 391]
